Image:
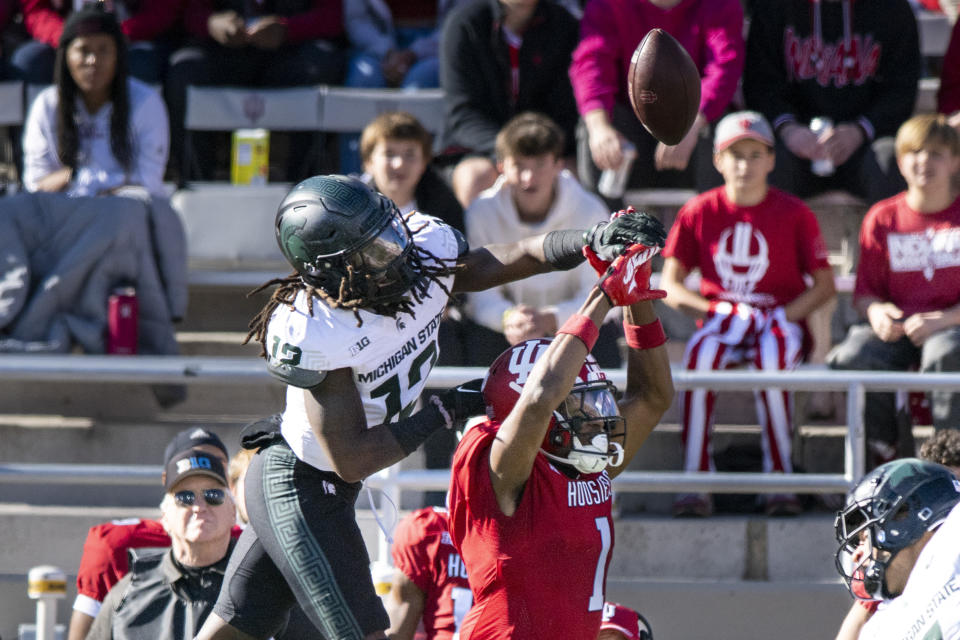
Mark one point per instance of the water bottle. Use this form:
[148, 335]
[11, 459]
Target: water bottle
[613, 182]
[122, 311]
[825, 166]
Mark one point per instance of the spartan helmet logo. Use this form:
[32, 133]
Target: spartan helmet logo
[741, 258]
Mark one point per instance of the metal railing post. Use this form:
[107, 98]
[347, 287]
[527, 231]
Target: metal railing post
[46, 584]
[855, 451]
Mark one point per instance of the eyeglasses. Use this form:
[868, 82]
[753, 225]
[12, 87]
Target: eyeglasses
[213, 497]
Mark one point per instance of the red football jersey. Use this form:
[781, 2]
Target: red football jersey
[540, 574]
[423, 551]
[908, 258]
[757, 255]
[104, 560]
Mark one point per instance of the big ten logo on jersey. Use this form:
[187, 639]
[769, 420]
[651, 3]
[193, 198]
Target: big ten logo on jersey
[455, 566]
[586, 493]
[522, 360]
[358, 346]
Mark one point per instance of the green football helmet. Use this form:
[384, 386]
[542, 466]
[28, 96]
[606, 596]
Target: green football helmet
[346, 239]
[891, 508]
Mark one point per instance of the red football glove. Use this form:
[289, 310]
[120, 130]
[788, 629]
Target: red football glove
[627, 280]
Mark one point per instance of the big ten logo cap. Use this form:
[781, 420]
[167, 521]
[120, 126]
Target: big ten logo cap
[193, 462]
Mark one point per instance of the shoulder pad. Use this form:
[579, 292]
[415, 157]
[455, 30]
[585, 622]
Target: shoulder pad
[295, 376]
[463, 247]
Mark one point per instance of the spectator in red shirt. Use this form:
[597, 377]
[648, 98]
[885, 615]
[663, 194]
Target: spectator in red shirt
[908, 280]
[756, 247]
[147, 24]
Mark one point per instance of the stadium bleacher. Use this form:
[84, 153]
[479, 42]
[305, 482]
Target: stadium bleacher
[232, 248]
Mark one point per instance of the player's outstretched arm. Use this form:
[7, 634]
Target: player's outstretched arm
[519, 438]
[339, 423]
[494, 265]
[649, 391]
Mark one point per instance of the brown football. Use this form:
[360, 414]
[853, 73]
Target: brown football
[664, 86]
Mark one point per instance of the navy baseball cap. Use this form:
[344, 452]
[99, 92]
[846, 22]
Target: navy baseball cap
[191, 438]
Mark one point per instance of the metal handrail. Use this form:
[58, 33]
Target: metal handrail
[246, 370]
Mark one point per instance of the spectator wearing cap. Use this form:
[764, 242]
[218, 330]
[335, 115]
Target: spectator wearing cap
[168, 594]
[623, 623]
[754, 246]
[105, 562]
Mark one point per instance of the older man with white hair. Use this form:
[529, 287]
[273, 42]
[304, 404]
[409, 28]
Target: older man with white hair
[168, 593]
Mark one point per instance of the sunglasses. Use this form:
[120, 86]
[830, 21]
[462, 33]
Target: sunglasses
[213, 497]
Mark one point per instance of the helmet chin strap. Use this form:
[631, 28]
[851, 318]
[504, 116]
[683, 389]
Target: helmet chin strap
[875, 579]
[593, 457]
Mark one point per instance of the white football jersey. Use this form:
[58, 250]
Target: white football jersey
[390, 357]
[929, 607]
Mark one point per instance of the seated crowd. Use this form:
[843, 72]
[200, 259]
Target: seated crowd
[535, 109]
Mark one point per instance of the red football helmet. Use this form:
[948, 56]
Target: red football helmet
[591, 400]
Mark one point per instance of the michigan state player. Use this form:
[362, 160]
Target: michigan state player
[353, 333]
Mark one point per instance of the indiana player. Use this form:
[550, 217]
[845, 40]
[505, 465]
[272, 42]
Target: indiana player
[430, 594]
[898, 538]
[430, 583]
[353, 333]
[530, 490]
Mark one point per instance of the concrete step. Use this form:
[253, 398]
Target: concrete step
[222, 308]
[138, 401]
[779, 573]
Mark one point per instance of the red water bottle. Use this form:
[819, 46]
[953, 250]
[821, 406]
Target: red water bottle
[122, 321]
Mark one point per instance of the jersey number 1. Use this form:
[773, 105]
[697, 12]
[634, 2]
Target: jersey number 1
[596, 598]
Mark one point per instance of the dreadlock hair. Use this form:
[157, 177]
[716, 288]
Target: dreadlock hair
[430, 267]
[87, 21]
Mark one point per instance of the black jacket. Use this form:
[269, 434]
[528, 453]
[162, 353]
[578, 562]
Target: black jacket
[158, 599]
[869, 62]
[476, 79]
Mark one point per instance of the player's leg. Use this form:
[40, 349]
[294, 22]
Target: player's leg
[779, 348]
[307, 523]
[255, 600]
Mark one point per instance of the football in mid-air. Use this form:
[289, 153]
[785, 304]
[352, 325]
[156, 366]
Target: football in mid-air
[664, 86]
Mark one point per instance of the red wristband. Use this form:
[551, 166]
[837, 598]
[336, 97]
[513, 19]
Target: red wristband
[644, 336]
[582, 327]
